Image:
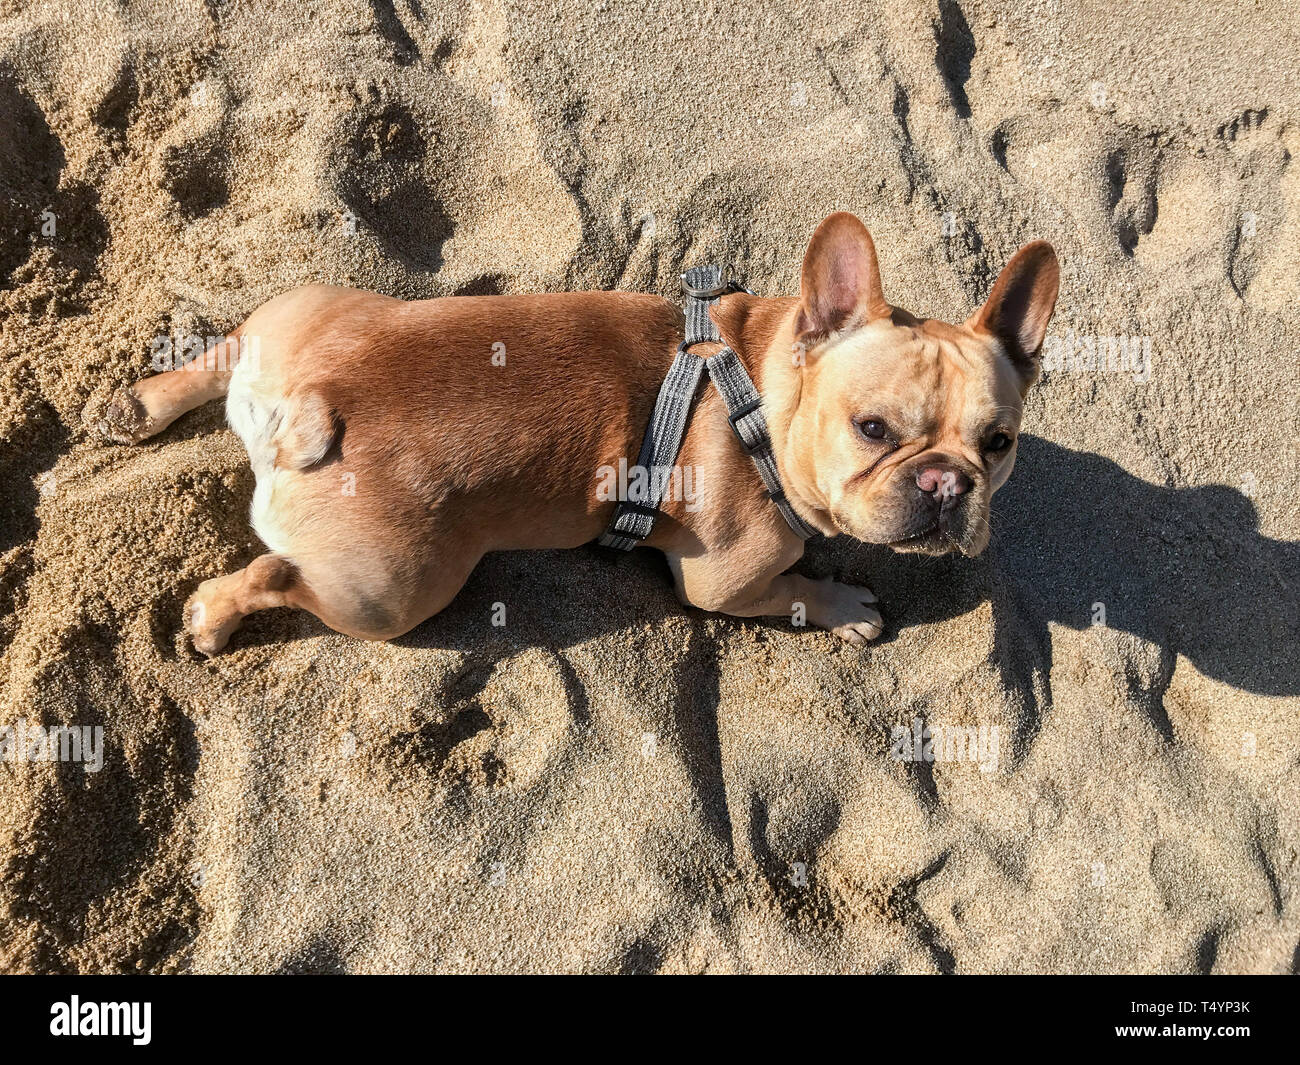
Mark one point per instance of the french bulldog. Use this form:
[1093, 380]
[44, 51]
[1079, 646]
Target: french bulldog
[395, 443]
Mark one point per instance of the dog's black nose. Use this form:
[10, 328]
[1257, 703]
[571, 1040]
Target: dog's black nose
[942, 481]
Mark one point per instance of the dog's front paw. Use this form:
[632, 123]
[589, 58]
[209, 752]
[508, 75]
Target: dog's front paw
[846, 610]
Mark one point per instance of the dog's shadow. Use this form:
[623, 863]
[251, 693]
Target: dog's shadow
[1079, 541]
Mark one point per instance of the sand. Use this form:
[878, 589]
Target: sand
[610, 782]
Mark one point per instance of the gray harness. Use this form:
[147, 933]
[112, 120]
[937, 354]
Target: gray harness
[634, 519]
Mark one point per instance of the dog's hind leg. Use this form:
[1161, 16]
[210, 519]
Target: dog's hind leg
[368, 589]
[147, 407]
[218, 606]
[365, 610]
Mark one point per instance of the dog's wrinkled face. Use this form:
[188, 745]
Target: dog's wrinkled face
[913, 429]
[910, 426]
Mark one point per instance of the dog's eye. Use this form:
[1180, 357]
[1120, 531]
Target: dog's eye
[998, 443]
[872, 429]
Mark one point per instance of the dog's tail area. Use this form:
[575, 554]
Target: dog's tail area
[142, 410]
[307, 430]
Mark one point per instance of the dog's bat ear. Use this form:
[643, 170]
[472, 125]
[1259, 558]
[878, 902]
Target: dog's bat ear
[1021, 304]
[840, 285]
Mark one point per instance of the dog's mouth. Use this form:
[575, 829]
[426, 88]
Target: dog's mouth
[947, 531]
[930, 532]
[935, 539]
[939, 537]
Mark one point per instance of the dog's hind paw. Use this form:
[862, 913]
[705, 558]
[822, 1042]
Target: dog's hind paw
[207, 633]
[125, 420]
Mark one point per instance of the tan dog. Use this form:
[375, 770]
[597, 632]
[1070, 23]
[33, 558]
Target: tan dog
[392, 450]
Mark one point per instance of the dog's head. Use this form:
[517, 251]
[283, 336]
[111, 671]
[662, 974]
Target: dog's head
[905, 428]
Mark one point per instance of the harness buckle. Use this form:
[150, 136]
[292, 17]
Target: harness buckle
[713, 293]
[629, 507]
[734, 416]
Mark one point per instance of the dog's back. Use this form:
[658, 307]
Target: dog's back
[376, 427]
[486, 400]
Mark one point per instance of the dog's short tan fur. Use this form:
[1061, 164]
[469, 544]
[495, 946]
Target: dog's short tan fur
[392, 451]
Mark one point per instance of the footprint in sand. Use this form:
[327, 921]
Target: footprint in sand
[398, 164]
[489, 735]
[1226, 211]
[1222, 209]
[192, 161]
[1262, 263]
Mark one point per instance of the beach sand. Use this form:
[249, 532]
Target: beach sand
[610, 782]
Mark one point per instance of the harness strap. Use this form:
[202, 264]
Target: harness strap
[745, 413]
[703, 287]
[634, 519]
